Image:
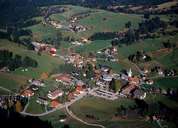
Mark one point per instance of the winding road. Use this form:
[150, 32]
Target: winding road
[84, 122]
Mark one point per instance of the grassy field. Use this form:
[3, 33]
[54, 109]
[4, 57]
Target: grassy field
[3, 92]
[104, 21]
[46, 63]
[117, 67]
[170, 60]
[98, 107]
[97, 21]
[151, 98]
[34, 107]
[12, 82]
[94, 46]
[167, 83]
[54, 118]
[42, 32]
[104, 110]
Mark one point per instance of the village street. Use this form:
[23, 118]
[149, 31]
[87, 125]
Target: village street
[61, 106]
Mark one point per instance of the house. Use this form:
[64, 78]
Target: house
[107, 77]
[79, 89]
[54, 104]
[42, 100]
[66, 79]
[37, 83]
[27, 93]
[53, 51]
[105, 68]
[55, 94]
[149, 82]
[34, 87]
[70, 96]
[139, 94]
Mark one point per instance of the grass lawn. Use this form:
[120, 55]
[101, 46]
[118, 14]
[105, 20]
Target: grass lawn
[11, 82]
[42, 32]
[117, 67]
[54, 118]
[105, 21]
[127, 124]
[3, 92]
[152, 98]
[93, 46]
[46, 63]
[97, 21]
[100, 108]
[170, 60]
[166, 83]
[148, 45]
[33, 107]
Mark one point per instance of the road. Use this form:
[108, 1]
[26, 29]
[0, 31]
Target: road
[86, 123]
[60, 106]
[5, 89]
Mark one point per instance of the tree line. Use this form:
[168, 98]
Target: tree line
[8, 59]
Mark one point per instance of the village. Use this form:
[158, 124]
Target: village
[103, 81]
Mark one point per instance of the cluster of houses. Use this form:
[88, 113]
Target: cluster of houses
[77, 28]
[79, 61]
[40, 47]
[55, 24]
[109, 53]
[81, 42]
[130, 84]
[52, 97]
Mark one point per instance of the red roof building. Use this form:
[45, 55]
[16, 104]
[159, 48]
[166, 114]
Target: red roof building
[64, 78]
[27, 93]
[55, 94]
[53, 51]
[54, 104]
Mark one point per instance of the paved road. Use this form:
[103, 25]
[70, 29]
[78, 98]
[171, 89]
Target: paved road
[6, 89]
[25, 108]
[60, 106]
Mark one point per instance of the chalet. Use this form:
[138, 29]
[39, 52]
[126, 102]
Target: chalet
[65, 79]
[55, 94]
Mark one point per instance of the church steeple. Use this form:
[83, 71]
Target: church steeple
[129, 73]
